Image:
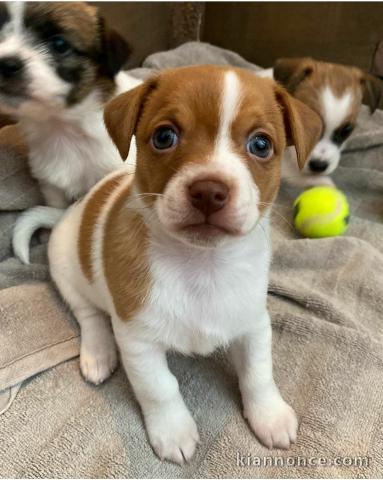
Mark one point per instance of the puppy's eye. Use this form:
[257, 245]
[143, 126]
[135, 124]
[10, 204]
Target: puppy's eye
[259, 146]
[60, 45]
[342, 133]
[164, 138]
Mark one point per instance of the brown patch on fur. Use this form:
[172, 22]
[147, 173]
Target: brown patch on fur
[90, 215]
[305, 78]
[11, 137]
[99, 52]
[77, 19]
[126, 265]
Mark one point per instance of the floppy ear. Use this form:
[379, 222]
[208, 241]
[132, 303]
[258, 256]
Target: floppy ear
[122, 113]
[372, 91]
[115, 50]
[291, 71]
[302, 125]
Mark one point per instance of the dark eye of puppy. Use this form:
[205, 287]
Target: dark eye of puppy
[164, 138]
[342, 133]
[259, 146]
[59, 45]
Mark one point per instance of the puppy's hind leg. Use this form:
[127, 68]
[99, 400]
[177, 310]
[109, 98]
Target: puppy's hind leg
[98, 354]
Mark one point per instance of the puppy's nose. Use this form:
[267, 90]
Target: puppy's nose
[317, 165]
[10, 67]
[208, 196]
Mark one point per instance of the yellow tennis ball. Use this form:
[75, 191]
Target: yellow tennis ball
[321, 212]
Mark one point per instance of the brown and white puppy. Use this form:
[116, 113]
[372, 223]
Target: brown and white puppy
[59, 64]
[336, 92]
[178, 254]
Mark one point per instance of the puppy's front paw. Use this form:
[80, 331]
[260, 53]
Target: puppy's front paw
[275, 424]
[172, 432]
[97, 362]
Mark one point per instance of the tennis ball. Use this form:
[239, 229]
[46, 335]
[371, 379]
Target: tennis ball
[321, 212]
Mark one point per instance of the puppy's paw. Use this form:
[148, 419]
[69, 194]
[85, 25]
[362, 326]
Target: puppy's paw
[275, 424]
[172, 432]
[97, 363]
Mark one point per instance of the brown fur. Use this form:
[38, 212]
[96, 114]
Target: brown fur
[125, 263]
[77, 19]
[305, 78]
[101, 48]
[91, 214]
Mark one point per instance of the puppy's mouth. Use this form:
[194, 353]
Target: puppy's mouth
[207, 233]
[208, 230]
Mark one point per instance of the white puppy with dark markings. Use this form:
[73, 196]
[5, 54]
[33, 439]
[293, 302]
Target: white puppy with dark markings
[59, 64]
[336, 93]
[177, 255]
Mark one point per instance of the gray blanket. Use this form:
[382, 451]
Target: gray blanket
[325, 303]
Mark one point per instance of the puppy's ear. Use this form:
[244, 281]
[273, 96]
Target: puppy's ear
[290, 72]
[372, 88]
[122, 113]
[302, 125]
[115, 50]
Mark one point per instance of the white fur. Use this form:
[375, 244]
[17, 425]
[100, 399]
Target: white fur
[42, 216]
[201, 299]
[69, 147]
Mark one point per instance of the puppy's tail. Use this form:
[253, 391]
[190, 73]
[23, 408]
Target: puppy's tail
[26, 225]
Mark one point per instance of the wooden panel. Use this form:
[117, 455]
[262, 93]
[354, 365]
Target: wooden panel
[261, 32]
[146, 25]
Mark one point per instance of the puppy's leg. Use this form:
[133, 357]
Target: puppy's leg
[270, 417]
[98, 353]
[171, 429]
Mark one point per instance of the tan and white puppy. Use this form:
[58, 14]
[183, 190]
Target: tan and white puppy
[336, 93]
[178, 253]
[59, 64]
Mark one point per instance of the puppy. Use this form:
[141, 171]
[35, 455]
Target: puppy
[58, 66]
[178, 253]
[336, 93]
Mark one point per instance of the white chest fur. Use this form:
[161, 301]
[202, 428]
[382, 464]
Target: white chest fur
[202, 299]
[72, 156]
[71, 149]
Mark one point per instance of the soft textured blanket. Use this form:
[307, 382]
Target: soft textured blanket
[326, 305]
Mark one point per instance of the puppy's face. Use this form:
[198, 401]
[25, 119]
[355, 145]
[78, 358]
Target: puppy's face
[52, 55]
[209, 144]
[336, 93]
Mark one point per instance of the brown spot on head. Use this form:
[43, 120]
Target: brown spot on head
[193, 125]
[306, 78]
[84, 51]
